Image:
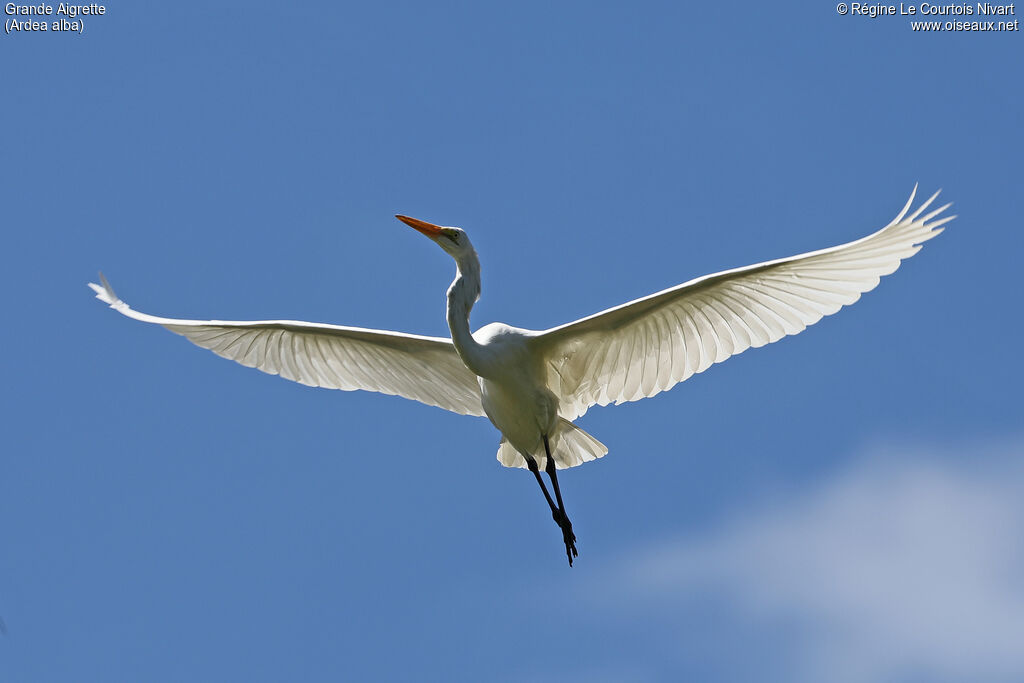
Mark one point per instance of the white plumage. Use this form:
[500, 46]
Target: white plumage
[425, 369]
[649, 345]
[533, 384]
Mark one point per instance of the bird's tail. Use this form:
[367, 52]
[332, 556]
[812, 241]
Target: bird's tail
[570, 446]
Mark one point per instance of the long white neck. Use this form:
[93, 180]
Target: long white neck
[463, 293]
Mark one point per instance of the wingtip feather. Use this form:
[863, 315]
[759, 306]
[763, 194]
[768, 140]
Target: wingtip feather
[906, 207]
[104, 292]
[924, 205]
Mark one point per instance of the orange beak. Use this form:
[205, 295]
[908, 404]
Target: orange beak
[429, 229]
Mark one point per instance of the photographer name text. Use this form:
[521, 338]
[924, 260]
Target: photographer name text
[930, 17]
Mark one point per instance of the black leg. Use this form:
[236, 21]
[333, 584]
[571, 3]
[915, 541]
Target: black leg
[559, 515]
[532, 464]
[550, 469]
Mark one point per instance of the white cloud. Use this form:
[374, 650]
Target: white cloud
[908, 565]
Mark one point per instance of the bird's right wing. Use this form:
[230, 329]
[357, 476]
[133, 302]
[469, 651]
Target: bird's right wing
[425, 369]
[647, 346]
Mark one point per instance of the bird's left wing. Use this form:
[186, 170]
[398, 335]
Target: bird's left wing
[647, 346]
[425, 369]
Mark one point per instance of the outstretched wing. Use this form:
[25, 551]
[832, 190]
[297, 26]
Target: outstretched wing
[649, 345]
[425, 369]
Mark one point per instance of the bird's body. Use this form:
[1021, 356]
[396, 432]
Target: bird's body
[512, 387]
[533, 384]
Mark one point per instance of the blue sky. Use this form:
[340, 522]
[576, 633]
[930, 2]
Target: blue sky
[842, 505]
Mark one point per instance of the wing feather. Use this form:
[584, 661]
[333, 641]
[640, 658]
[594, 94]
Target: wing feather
[425, 369]
[647, 346]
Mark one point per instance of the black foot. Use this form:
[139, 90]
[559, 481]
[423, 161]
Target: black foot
[568, 537]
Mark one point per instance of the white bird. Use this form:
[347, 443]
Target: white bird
[533, 384]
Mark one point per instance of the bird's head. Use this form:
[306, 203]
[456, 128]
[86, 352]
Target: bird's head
[452, 240]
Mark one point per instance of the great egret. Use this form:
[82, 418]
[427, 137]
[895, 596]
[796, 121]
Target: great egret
[532, 384]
